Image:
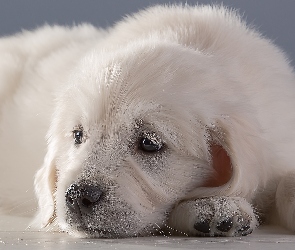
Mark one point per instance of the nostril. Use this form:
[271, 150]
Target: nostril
[72, 204]
[72, 195]
[91, 195]
[70, 200]
[87, 203]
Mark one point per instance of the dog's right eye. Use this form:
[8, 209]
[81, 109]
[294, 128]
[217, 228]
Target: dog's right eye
[150, 143]
[78, 136]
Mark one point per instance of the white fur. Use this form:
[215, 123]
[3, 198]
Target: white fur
[185, 70]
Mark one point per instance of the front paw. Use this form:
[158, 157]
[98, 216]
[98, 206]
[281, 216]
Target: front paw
[214, 216]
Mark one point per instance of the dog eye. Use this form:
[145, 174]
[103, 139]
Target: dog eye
[78, 136]
[150, 143]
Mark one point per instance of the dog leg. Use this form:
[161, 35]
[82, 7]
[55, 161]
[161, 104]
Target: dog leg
[214, 216]
[285, 201]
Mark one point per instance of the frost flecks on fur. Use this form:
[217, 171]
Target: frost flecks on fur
[191, 77]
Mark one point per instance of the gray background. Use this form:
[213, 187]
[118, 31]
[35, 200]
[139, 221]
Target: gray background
[274, 18]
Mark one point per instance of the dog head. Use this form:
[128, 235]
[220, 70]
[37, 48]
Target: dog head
[135, 132]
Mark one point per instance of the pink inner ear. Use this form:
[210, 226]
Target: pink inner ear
[222, 165]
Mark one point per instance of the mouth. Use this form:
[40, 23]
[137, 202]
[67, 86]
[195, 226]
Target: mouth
[124, 228]
[83, 231]
[100, 233]
[90, 227]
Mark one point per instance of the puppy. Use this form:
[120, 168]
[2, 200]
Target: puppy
[178, 120]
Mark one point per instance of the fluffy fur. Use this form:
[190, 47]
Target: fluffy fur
[214, 96]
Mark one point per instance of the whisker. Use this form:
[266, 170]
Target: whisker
[174, 231]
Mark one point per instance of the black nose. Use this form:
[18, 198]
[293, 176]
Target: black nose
[82, 198]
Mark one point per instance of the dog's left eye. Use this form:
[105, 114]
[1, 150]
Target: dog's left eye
[78, 136]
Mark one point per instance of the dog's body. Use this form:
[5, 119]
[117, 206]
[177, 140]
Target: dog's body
[178, 116]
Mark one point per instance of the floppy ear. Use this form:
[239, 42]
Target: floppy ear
[238, 169]
[45, 187]
[221, 164]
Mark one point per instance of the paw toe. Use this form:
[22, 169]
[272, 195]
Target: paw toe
[225, 225]
[244, 229]
[203, 226]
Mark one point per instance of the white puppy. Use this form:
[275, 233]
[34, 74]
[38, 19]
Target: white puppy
[178, 119]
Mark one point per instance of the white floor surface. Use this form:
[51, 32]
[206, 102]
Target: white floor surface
[14, 236]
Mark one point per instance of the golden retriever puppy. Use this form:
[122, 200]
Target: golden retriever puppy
[178, 119]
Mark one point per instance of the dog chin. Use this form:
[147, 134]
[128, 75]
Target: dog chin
[81, 231]
[91, 227]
